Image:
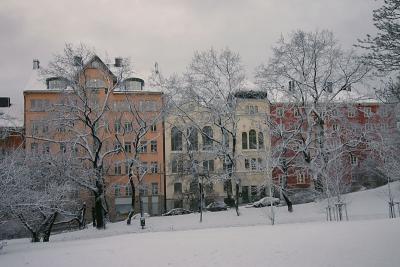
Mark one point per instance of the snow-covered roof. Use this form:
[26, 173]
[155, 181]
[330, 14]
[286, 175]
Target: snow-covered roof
[35, 81]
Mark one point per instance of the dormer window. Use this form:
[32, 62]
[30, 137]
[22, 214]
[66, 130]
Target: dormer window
[56, 83]
[133, 84]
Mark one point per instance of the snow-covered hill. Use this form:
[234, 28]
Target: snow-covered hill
[301, 238]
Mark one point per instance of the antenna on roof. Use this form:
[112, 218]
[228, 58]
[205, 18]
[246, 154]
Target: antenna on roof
[156, 68]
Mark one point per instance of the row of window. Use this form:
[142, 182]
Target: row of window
[251, 141]
[127, 127]
[144, 168]
[192, 139]
[178, 166]
[40, 105]
[45, 148]
[351, 112]
[143, 190]
[144, 106]
[141, 149]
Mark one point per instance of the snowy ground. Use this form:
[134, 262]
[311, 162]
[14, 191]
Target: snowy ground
[301, 238]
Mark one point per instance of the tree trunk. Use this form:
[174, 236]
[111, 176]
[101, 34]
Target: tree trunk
[47, 226]
[132, 211]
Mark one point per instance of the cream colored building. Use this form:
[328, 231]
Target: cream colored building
[191, 157]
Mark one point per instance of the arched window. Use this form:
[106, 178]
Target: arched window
[176, 139]
[260, 140]
[252, 139]
[207, 138]
[244, 140]
[193, 139]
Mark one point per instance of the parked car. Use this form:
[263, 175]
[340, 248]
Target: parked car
[217, 206]
[177, 211]
[265, 201]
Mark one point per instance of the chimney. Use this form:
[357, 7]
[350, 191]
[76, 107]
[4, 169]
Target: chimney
[36, 63]
[118, 62]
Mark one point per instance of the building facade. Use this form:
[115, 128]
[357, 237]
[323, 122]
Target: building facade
[128, 126]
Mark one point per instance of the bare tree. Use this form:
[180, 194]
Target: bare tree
[210, 83]
[308, 75]
[79, 120]
[36, 189]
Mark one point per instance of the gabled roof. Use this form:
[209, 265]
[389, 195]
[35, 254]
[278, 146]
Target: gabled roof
[105, 67]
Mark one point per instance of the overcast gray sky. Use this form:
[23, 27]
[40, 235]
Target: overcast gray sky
[166, 31]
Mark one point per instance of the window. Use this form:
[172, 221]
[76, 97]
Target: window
[153, 146]
[132, 85]
[207, 138]
[143, 168]
[193, 143]
[353, 160]
[301, 178]
[351, 113]
[252, 139]
[176, 139]
[128, 190]
[63, 148]
[244, 140]
[251, 110]
[384, 111]
[280, 112]
[335, 127]
[177, 166]
[148, 105]
[128, 126]
[117, 146]
[56, 83]
[296, 112]
[153, 128]
[35, 127]
[143, 147]
[291, 85]
[143, 190]
[117, 127]
[117, 168]
[260, 140]
[177, 188]
[367, 112]
[39, 104]
[208, 165]
[117, 190]
[246, 164]
[46, 148]
[154, 167]
[128, 147]
[253, 164]
[154, 189]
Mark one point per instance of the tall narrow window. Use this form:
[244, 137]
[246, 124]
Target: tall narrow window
[207, 138]
[153, 146]
[260, 140]
[244, 140]
[252, 139]
[193, 143]
[176, 139]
